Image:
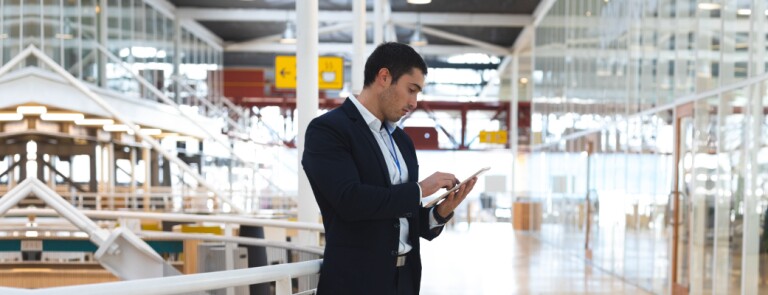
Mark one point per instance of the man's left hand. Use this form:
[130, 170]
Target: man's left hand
[455, 198]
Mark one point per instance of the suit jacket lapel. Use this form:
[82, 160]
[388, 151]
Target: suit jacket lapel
[358, 121]
[406, 150]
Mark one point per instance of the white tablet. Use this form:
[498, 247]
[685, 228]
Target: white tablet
[441, 197]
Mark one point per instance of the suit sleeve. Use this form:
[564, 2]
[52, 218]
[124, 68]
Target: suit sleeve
[425, 230]
[334, 175]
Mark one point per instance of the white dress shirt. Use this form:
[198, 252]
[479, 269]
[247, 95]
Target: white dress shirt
[398, 171]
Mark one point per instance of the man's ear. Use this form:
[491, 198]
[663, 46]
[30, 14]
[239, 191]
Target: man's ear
[384, 77]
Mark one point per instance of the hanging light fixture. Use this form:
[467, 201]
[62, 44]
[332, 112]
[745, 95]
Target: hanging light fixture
[289, 35]
[419, 1]
[418, 38]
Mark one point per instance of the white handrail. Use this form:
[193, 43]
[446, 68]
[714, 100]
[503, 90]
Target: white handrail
[44, 193]
[242, 220]
[191, 283]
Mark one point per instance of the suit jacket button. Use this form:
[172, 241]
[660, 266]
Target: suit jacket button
[394, 253]
[397, 224]
[408, 215]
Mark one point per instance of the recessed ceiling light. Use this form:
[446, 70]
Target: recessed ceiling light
[11, 116]
[31, 110]
[116, 128]
[95, 122]
[62, 116]
[709, 6]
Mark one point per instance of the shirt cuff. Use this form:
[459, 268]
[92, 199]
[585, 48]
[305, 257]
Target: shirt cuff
[420, 194]
[433, 222]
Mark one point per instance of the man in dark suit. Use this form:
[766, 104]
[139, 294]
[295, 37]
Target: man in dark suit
[364, 174]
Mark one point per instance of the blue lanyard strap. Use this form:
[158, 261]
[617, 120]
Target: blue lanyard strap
[392, 151]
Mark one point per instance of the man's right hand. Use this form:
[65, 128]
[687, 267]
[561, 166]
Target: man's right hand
[437, 181]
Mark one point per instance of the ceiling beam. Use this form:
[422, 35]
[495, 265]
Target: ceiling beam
[339, 48]
[526, 36]
[202, 32]
[427, 18]
[522, 42]
[245, 45]
[499, 50]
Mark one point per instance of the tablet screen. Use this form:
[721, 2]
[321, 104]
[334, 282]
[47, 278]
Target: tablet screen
[438, 199]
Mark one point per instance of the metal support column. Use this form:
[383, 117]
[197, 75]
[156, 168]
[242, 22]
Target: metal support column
[514, 100]
[463, 145]
[358, 41]
[132, 188]
[102, 39]
[146, 156]
[51, 172]
[22, 167]
[12, 173]
[752, 144]
[111, 173]
[378, 23]
[176, 59]
[229, 257]
[307, 100]
[93, 185]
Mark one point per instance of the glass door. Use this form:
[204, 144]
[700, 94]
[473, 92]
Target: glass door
[680, 221]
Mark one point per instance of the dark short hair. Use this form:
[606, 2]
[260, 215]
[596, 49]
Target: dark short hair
[398, 58]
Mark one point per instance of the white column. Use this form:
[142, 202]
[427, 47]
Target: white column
[132, 189]
[145, 155]
[306, 104]
[389, 34]
[229, 251]
[103, 174]
[103, 38]
[752, 143]
[378, 22]
[358, 41]
[52, 159]
[12, 172]
[111, 173]
[306, 97]
[513, 100]
[176, 59]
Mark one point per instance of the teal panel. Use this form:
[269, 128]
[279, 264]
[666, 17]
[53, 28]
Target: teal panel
[10, 245]
[167, 246]
[69, 245]
[88, 246]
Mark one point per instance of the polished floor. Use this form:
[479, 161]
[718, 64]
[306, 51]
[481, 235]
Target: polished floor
[491, 258]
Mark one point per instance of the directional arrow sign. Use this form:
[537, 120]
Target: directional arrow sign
[330, 72]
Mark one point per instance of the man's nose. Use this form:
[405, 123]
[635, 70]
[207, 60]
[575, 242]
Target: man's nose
[412, 103]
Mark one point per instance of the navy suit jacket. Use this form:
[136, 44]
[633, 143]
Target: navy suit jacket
[360, 206]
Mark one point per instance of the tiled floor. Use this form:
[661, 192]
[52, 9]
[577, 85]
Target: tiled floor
[490, 258]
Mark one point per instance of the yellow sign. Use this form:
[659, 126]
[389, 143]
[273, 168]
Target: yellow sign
[330, 72]
[499, 137]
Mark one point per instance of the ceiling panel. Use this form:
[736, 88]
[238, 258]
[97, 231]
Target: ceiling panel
[463, 6]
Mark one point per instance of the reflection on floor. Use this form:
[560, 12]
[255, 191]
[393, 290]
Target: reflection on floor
[490, 258]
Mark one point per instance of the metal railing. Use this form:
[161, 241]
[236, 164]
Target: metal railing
[281, 274]
[223, 219]
[192, 201]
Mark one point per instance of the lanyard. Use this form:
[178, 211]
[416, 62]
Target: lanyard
[392, 151]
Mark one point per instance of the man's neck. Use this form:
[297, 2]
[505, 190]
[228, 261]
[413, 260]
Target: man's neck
[369, 101]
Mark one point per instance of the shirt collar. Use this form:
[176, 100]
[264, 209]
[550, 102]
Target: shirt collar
[373, 122]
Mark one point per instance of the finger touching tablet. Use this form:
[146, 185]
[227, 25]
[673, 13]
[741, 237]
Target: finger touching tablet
[441, 197]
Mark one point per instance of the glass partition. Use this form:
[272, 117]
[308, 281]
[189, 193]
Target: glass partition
[676, 197]
[139, 39]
